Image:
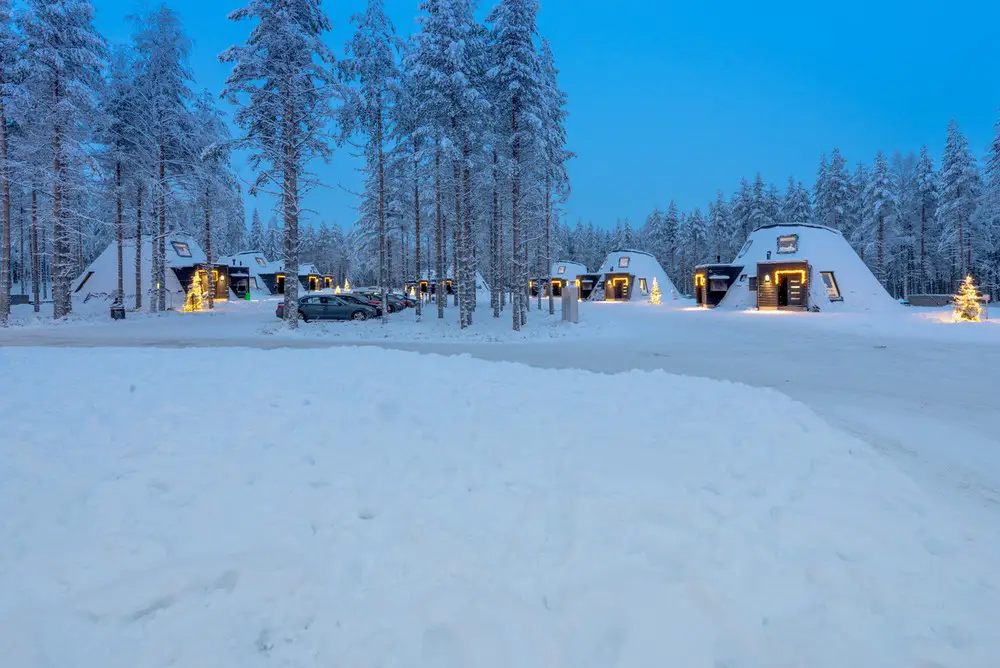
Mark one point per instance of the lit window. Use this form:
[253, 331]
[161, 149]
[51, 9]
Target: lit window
[181, 248]
[562, 269]
[623, 262]
[832, 289]
[746, 247]
[789, 244]
[642, 286]
[717, 285]
[260, 261]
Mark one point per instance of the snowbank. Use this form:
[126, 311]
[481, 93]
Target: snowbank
[359, 507]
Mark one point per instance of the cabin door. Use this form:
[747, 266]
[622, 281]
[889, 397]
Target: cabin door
[791, 293]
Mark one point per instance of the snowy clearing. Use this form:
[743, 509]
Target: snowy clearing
[152, 513]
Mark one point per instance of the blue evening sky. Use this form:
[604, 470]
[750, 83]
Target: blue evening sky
[674, 100]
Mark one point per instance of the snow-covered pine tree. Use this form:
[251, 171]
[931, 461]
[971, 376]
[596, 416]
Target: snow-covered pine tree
[987, 223]
[10, 49]
[927, 198]
[64, 57]
[719, 228]
[835, 192]
[742, 208]
[554, 102]
[854, 222]
[902, 235]
[163, 82]
[283, 85]
[256, 240]
[796, 208]
[960, 189]
[371, 65]
[670, 239]
[115, 135]
[880, 208]
[516, 76]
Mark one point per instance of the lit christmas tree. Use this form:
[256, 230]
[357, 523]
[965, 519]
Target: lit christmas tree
[347, 285]
[195, 299]
[967, 302]
[655, 297]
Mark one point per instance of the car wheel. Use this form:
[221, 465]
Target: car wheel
[303, 317]
[359, 315]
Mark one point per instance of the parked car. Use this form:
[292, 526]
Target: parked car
[328, 307]
[364, 301]
[395, 303]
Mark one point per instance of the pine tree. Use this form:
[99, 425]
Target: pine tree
[371, 64]
[517, 78]
[64, 57]
[671, 229]
[796, 207]
[987, 222]
[881, 206]
[283, 84]
[742, 208]
[927, 199]
[554, 102]
[960, 188]
[257, 240]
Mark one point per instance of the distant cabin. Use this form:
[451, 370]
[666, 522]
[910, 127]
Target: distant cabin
[627, 275]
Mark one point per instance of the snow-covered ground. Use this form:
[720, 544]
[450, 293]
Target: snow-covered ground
[360, 507]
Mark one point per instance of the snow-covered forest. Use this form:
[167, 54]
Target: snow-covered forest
[461, 129]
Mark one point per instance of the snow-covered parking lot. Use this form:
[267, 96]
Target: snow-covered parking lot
[226, 505]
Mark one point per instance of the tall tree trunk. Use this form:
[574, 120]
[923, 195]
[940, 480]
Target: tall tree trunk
[924, 273]
[138, 246]
[23, 273]
[515, 212]
[59, 232]
[36, 258]
[119, 236]
[880, 250]
[419, 307]
[548, 240]
[382, 242]
[161, 237]
[495, 242]
[457, 247]
[5, 249]
[469, 260]
[441, 295]
[290, 209]
[209, 259]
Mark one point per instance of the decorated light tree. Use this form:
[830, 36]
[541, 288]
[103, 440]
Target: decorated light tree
[967, 302]
[195, 299]
[655, 296]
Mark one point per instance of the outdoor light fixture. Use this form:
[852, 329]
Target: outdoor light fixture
[767, 278]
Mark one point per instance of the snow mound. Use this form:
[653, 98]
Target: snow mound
[362, 507]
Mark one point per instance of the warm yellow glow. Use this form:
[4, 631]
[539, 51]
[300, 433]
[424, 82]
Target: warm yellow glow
[968, 303]
[699, 280]
[195, 298]
[413, 292]
[788, 272]
[337, 291]
[654, 295]
[347, 285]
[767, 278]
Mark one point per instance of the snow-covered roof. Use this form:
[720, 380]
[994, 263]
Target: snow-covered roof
[255, 260]
[567, 271]
[101, 276]
[641, 265]
[308, 270]
[826, 250]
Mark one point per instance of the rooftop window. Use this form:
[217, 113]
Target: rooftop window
[562, 269]
[260, 261]
[181, 248]
[788, 244]
[623, 262]
[830, 283]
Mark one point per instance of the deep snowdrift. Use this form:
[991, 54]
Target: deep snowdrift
[358, 507]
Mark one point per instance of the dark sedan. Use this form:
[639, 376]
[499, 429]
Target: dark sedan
[363, 301]
[328, 307]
